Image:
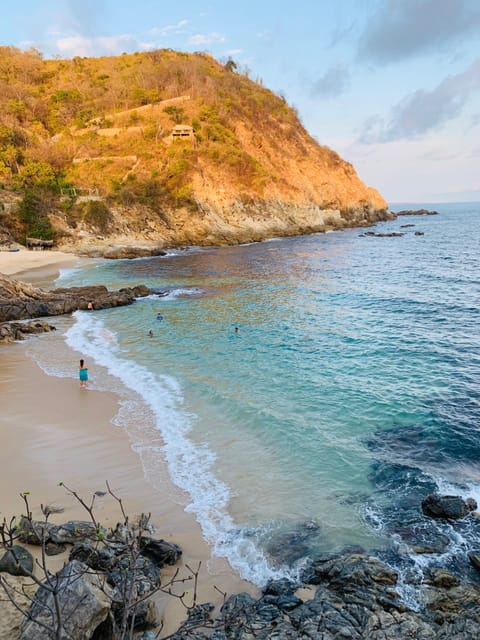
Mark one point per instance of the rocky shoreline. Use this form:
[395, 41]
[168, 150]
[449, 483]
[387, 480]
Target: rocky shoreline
[351, 595]
[20, 301]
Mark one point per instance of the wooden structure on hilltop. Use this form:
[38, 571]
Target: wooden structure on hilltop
[38, 244]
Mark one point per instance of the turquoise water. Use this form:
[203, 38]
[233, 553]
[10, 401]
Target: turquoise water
[350, 391]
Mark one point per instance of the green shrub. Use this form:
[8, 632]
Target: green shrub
[33, 214]
[97, 214]
[176, 113]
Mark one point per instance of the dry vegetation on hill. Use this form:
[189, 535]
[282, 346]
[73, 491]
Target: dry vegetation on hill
[87, 146]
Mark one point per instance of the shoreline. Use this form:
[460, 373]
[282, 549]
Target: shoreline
[30, 262]
[54, 432]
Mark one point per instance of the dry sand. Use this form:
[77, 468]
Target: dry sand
[51, 431]
[17, 261]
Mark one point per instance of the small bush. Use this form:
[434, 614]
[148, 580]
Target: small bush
[33, 214]
[97, 214]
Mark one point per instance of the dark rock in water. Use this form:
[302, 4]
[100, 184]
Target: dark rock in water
[160, 293]
[449, 507]
[17, 561]
[392, 234]
[419, 233]
[356, 600]
[438, 545]
[443, 579]
[422, 537]
[406, 226]
[471, 504]
[115, 253]
[474, 557]
[288, 546]
[416, 212]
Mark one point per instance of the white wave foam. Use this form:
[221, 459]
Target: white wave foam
[65, 274]
[181, 292]
[467, 489]
[190, 465]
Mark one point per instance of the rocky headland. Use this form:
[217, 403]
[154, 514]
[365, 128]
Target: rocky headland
[197, 154]
[20, 301]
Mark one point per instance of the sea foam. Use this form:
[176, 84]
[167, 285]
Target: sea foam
[189, 465]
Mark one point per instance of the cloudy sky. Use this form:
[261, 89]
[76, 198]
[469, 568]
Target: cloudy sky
[392, 85]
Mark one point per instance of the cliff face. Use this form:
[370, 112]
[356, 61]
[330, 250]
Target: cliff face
[164, 147]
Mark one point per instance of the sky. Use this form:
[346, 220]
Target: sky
[392, 85]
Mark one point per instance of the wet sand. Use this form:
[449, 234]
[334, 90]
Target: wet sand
[52, 431]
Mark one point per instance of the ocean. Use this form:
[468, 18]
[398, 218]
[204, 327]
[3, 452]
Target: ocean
[350, 391]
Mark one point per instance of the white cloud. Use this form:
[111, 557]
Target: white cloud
[423, 111]
[206, 38]
[333, 83]
[170, 29]
[98, 45]
[401, 29]
[233, 52]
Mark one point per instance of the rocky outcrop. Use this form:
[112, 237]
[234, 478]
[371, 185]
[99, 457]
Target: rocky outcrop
[19, 301]
[417, 212]
[355, 597]
[75, 600]
[103, 588]
[12, 331]
[448, 507]
[372, 234]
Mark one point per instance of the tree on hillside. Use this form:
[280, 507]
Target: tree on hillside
[231, 65]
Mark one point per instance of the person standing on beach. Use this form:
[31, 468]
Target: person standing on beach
[83, 375]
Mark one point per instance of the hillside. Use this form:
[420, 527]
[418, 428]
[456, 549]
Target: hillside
[165, 148]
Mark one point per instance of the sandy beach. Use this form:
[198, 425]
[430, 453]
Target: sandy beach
[14, 262]
[52, 432]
